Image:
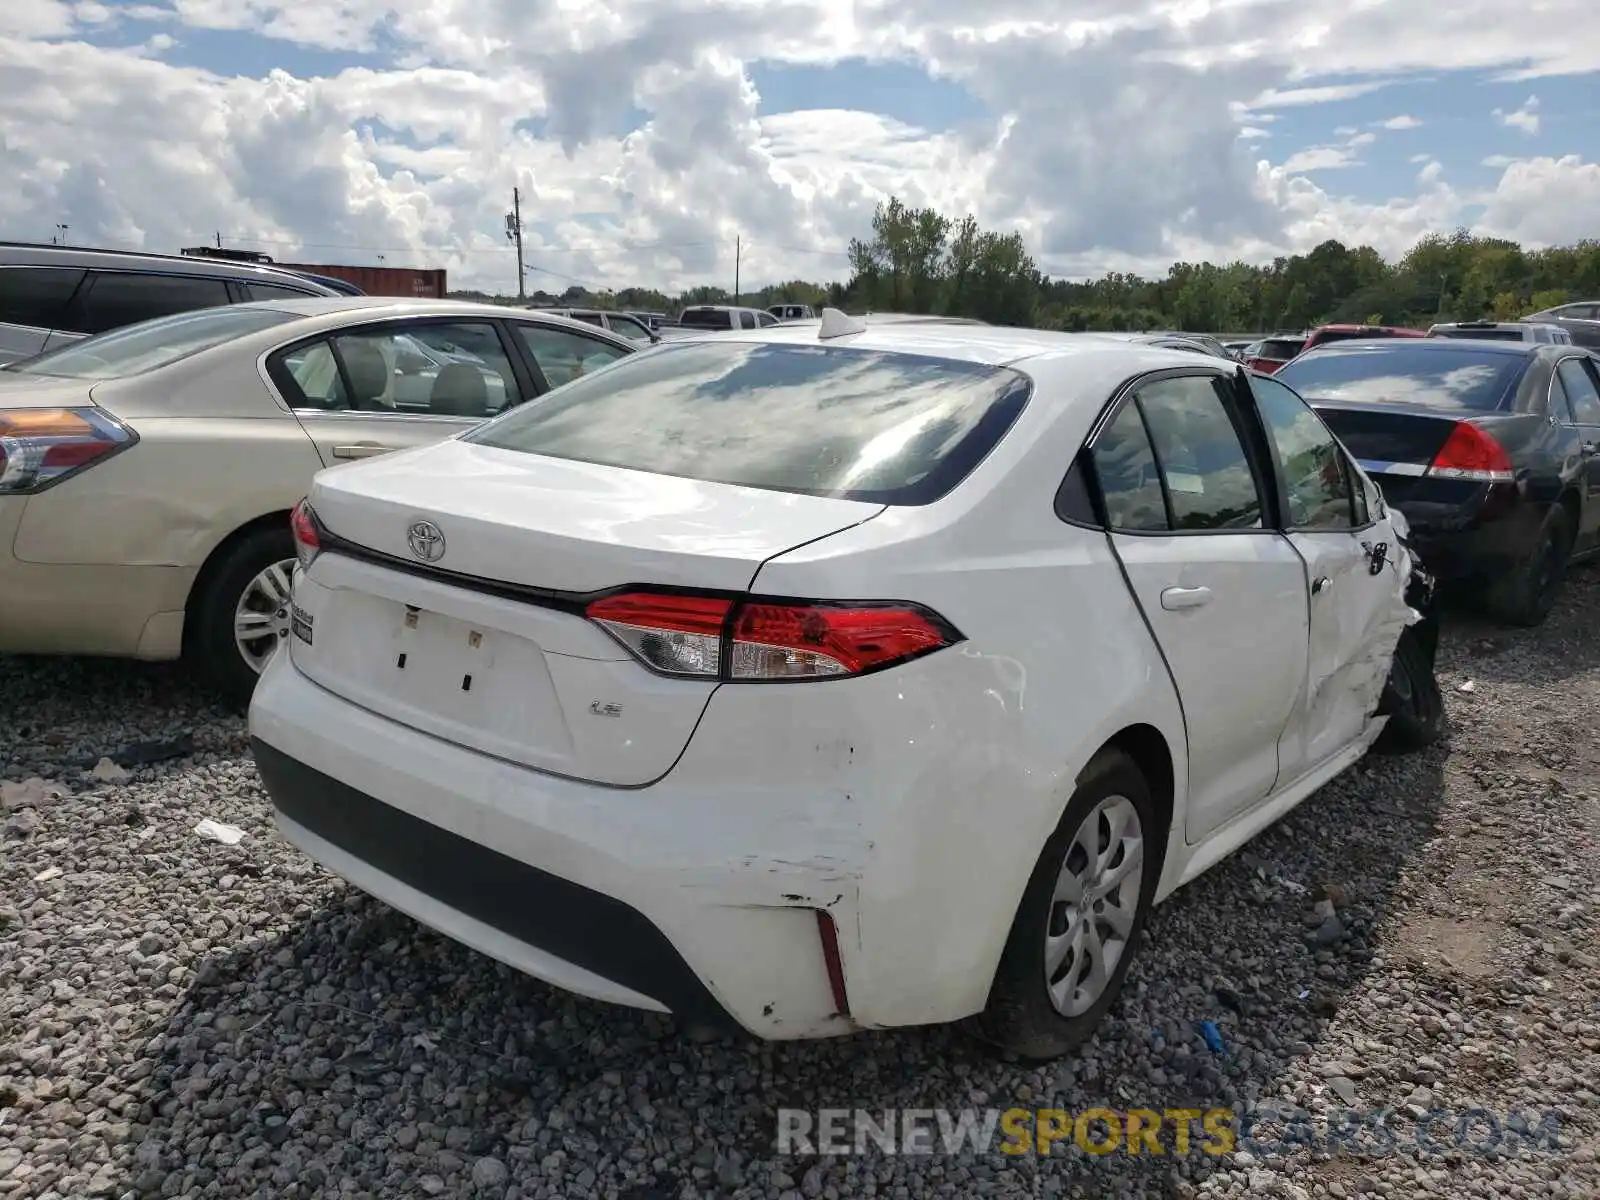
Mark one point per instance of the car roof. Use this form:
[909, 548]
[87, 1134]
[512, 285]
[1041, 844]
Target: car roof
[1097, 359]
[34, 254]
[1428, 345]
[1344, 327]
[315, 314]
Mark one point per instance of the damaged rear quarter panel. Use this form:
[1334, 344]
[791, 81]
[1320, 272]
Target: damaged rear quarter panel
[171, 499]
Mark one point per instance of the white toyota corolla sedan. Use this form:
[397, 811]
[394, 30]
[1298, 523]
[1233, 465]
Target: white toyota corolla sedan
[840, 675]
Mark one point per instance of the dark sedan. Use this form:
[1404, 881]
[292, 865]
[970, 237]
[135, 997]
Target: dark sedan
[1490, 449]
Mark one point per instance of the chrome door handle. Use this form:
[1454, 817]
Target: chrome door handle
[359, 450]
[1175, 598]
[1320, 584]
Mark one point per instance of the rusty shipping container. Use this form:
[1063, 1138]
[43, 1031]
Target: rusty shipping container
[381, 281]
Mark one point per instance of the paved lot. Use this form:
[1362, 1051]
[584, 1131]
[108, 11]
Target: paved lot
[181, 1017]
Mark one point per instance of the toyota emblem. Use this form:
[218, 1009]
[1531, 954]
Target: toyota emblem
[426, 541]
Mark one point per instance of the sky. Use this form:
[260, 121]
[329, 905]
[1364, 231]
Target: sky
[656, 143]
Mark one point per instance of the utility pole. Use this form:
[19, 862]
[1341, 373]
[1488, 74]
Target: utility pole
[738, 253]
[219, 239]
[514, 233]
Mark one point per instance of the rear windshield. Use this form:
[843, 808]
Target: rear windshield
[1280, 348]
[135, 349]
[709, 318]
[1325, 337]
[817, 420]
[1406, 371]
[1491, 335]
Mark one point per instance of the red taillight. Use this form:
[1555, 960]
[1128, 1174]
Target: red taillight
[1470, 453]
[766, 641]
[307, 542]
[42, 446]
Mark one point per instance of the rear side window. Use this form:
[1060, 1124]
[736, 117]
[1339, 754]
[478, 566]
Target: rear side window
[1130, 481]
[115, 299]
[37, 296]
[1492, 335]
[1279, 348]
[747, 320]
[815, 420]
[1419, 371]
[1209, 482]
[1581, 392]
[563, 356]
[705, 318]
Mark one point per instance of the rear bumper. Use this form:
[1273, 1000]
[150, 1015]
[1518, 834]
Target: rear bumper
[1477, 537]
[699, 894]
[588, 941]
[632, 896]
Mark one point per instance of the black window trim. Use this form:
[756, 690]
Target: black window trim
[1267, 492]
[1271, 448]
[293, 398]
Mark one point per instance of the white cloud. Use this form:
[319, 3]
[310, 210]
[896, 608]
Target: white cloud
[1292, 97]
[1319, 158]
[1541, 200]
[1525, 118]
[1118, 134]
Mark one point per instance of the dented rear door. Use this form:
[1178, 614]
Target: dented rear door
[1356, 574]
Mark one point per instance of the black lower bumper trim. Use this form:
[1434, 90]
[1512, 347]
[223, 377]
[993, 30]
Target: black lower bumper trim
[586, 928]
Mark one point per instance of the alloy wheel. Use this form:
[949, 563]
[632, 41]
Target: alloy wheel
[261, 617]
[1094, 905]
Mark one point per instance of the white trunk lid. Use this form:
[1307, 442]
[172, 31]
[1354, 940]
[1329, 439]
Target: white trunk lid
[529, 681]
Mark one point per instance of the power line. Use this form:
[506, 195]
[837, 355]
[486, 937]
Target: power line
[543, 250]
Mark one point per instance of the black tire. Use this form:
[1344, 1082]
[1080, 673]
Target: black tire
[210, 644]
[1411, 699]
[1019, 1018]
[1526, 596]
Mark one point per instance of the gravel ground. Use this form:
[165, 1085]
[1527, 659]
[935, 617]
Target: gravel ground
[182, 1017]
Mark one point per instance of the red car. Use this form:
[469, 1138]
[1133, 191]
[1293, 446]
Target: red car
[1344, 333]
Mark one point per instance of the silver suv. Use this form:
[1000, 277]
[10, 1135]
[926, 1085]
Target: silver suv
[1581, 320]
[1503, 331]
[51, 295]
[724, 316]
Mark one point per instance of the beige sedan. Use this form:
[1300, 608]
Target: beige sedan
[146, 475]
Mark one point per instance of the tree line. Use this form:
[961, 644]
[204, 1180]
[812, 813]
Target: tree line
[919, 260]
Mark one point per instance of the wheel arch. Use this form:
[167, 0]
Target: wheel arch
[1151, 752]
[1147, 747]
[214, 560]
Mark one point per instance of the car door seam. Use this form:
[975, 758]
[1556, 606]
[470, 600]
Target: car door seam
[1144, 617]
